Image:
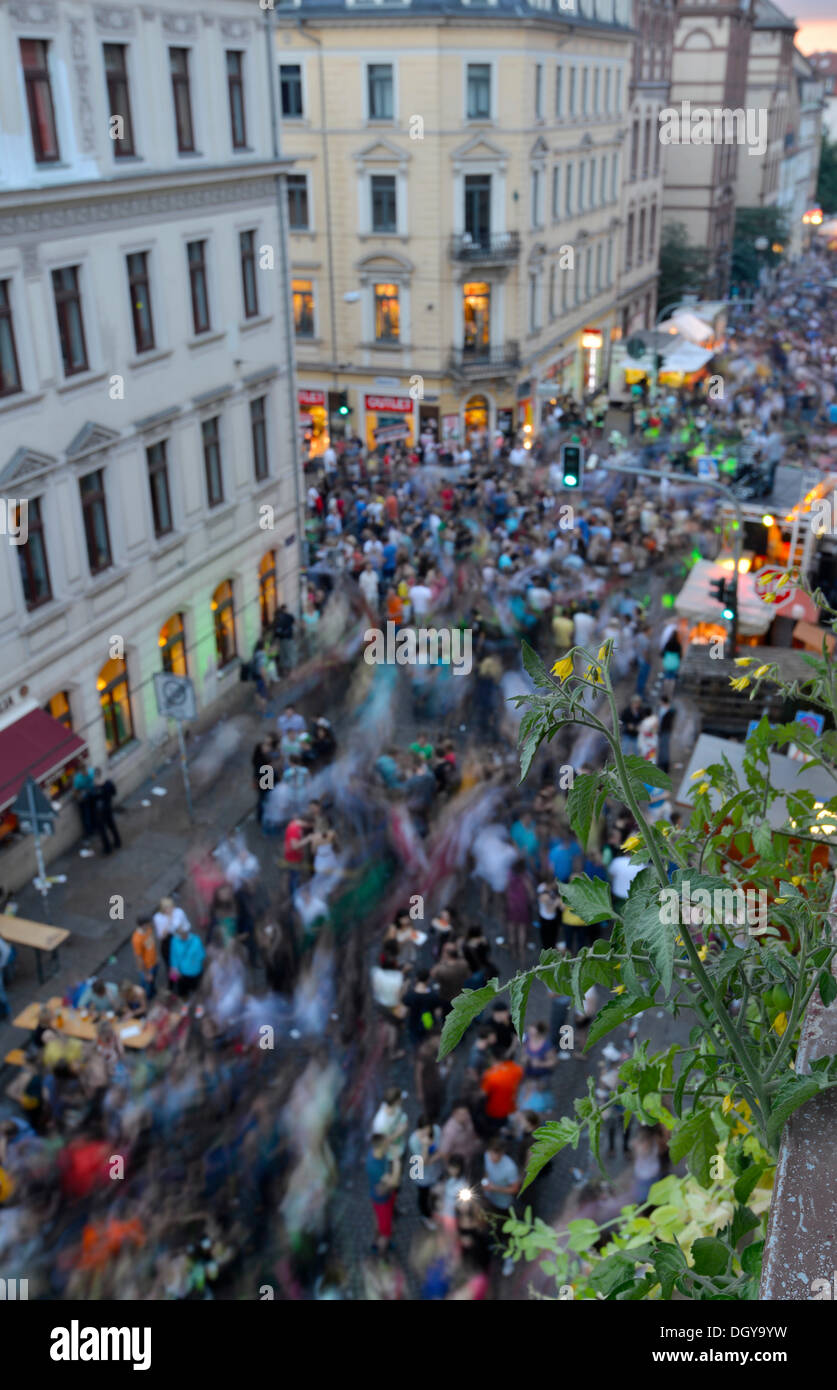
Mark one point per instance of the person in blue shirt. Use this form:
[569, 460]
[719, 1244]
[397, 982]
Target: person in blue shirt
[186, 960]
[525, 836]
[563, 853]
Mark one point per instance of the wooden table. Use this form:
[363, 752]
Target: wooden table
[43, 939]
[75, 1026]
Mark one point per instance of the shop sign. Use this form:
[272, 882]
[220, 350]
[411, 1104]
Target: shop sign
[394, 405]
[311, 398]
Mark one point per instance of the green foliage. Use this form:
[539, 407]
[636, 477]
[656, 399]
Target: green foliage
[826, 194]
[684, 267]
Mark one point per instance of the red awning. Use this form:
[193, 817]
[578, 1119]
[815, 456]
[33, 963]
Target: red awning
[36, 745]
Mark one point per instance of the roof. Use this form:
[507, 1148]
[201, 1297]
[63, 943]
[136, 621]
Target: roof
[580, 14]
[769, 16]
[35, 745]
[786, 774]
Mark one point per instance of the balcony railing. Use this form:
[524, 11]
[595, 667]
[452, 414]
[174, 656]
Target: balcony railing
[485, 361]
[503, 246]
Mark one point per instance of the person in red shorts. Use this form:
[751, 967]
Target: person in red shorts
[499, 1085]
[383, 1189]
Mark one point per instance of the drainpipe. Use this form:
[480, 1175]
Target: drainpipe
[281, 207]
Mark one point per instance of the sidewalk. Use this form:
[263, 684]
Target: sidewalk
[156, 839]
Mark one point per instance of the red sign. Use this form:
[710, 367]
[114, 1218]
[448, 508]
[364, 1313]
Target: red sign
[776, 586]
[311, 398]
[390, 405]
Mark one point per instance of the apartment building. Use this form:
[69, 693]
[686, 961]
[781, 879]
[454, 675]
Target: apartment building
[147, 400]
[807, 113]
[457, 208]
[643, 194]
[709, 73]
[770, 77]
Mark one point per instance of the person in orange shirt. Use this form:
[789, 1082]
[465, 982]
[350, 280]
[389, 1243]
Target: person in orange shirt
[499, 1085]
[144, 946]
[395, 607]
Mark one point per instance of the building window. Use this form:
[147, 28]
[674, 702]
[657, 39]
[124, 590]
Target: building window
[199, 286]
[94, 511]
[384, 214]
[119, 101]
[552, 282]
[646, 149]
[34, 570]
[556, 193]
[65, 285]
[533, 302]
[634, 149]
[10, 381]
[290, 87]
[179, 61]
[247, 247]
[140, 290]
[58, 708]
[582, 169]
[387, 314]
[538, 91]
[618, 102]
[172, 644]
[115, 702]
[597, 79]
[614, 176]
[34, 57]
[476, 299]
[610, 260]
[652, 229]
[258, 432]
[536, 197]
[478, 208]
[603, 182]
[585, 76]
[267, 588]
[158, 479]
[223, 609]
[598, 267]
[379, 86]
[303, 299]
[210, 432]
[478, 97]
[591, 195]
[629, 242]
[235, 87]
[588, 273]
[568, 190]
[298, 202]
[559, 91]
[607, 91]
[640, 246]
[572, 92]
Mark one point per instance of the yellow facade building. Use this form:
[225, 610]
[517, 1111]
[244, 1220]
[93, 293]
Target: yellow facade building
[456, 209]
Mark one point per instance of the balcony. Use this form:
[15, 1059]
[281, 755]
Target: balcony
[496, 360]
[501, 249]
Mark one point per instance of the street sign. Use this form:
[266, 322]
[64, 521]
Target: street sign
[776, 586]
[33, 809]
[175, 696]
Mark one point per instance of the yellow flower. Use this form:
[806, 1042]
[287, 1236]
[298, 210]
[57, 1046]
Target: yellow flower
[704, 787]
[665, 831]
[632, 842]
[563, 668]
[780, 900]
[701, 772]
[744, 660]
[760, 671]
[741, 683]
[780, 1023]
[594, 674]
[602, 652]
[678, 941]
[796, 880]
[703, 953]
[620, 989]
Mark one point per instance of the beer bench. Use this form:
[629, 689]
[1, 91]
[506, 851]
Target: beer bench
[44, 940]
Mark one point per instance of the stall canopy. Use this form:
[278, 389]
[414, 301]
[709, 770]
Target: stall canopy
[34, 745]
[786, 775]
[696, 603]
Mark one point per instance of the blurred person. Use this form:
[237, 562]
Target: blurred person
[144, 947]
[186, 960]
[426, 1165]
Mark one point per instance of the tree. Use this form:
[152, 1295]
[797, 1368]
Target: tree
[826, 195]
[684, 268]
[750, 224]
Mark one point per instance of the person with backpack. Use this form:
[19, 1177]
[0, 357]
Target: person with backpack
[423, 1005]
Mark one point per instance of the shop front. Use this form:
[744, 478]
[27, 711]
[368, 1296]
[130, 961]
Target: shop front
[525, 407]
[313, 421]
[389, 420]
[477, 415]
[556, 382]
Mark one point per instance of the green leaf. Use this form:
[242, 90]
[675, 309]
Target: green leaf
[729, 960]
[828, 987]
[642, 773]
[793, 1092]
[518, 999]
[535, 668]
[466, 1007]
[743, 1222]
[669, 1263]
[696, 1137]
[751, 1257]
[744, 1185]
[550, 1139]
[642, 916]
[763, 841]
[710, 1256]
[688, 1061]
[527, 752]
[615, 1272]
[589, 898]
[583, 1234]
[581, 801]
[616, 1011]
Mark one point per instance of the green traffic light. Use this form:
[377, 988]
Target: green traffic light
[728, 614]
[570, 480]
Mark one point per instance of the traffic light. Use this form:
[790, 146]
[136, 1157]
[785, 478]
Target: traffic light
[344, 408]
[723, 592]
[572, 465]
[717, 590]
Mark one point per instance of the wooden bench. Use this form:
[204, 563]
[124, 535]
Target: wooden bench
[44, 940]
[15, 1058]
[75, 1025]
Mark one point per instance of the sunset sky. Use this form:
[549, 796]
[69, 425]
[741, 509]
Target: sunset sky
[817, 24]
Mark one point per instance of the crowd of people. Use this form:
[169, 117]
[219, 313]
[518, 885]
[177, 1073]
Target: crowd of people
[292, 992]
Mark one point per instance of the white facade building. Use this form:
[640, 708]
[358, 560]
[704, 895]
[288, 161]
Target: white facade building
[147, 401]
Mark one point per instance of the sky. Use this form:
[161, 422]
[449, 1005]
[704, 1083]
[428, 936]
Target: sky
[817, 24]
